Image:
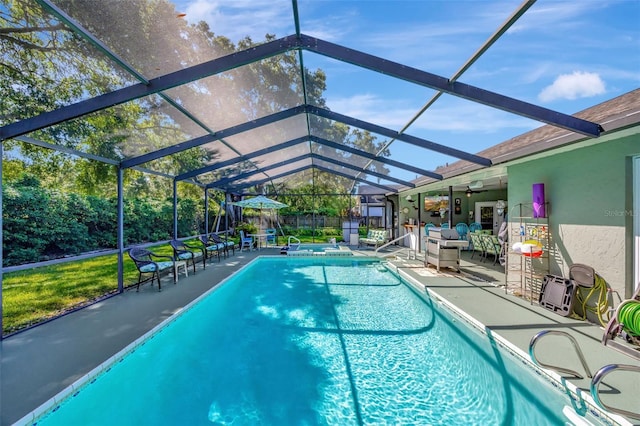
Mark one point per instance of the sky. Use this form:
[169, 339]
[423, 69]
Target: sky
[562, 55]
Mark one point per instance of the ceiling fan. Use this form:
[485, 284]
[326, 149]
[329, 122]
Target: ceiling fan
[470, 191]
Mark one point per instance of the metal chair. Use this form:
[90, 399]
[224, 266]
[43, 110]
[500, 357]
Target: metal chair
[271, 236]
[491, 246]
[210, 247]
[228, 244]
[245, 241]
[188, 253]
[477, 244]
[147, 262]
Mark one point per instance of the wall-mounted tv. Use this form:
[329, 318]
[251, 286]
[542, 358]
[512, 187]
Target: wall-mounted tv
[434, 203]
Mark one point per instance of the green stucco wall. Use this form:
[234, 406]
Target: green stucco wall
[589, 193]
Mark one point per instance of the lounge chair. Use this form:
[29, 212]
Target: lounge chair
[210, 247]
[375, 237]
[228, 244]
[188, 253]
[245, 241]
[147, 262]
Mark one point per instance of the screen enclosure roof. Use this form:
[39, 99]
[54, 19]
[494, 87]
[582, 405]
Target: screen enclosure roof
[145, 85]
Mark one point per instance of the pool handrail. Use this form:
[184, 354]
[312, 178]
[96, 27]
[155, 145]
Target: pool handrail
[387, 244]
[595, 385]
[296, 244]
[596, 379]
[536, 339]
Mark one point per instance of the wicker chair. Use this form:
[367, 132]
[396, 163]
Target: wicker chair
[228, 244]
[147, 262]
[188, 253]
[210, 247]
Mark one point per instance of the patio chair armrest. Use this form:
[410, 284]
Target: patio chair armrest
[193, 246]
[159, 256]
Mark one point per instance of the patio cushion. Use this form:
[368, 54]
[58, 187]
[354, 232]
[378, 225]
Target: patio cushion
[189, 255]
[375, 236]
[151, 267]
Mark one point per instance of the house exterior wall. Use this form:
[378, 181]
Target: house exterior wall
[589, 217]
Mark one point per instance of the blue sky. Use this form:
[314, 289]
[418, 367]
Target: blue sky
[563, 55]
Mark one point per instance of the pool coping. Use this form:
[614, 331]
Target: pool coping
[577, 395]
[55, 401]
[41, 338]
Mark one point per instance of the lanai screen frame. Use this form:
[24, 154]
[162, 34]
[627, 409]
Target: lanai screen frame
[299, 43]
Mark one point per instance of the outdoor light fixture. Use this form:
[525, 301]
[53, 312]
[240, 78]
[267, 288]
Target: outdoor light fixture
[500, 206]
[469, 192]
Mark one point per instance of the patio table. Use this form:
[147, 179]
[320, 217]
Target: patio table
[259, 239]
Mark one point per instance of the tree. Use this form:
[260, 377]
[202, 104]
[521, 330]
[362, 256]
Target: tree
[46, 65]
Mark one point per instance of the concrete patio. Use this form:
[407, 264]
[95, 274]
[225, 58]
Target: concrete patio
[40, 362]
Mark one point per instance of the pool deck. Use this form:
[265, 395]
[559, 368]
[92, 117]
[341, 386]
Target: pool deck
[38, 363]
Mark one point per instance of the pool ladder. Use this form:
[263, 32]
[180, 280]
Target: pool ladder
[595, 379]
[296, 242]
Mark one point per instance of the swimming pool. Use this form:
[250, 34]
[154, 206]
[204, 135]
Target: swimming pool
[336, 341]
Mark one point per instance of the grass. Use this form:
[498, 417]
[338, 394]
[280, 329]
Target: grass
[35, 295]
[32, 296]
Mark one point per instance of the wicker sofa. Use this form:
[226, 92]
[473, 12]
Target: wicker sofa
[375, 237]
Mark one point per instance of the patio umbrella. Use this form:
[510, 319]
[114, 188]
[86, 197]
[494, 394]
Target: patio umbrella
[261, 203]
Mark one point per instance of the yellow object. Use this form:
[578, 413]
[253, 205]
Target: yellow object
[601, 305]
[533, 243]
[531, 246]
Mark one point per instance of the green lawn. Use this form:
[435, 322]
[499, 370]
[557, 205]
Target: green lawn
[35, 295]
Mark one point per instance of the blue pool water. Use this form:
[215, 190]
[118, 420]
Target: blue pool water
[308, 342]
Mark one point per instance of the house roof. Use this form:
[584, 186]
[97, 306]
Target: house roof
[615, 114]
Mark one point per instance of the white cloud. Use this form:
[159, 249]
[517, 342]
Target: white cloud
[241, 18]
[579, 84]
[459, 117]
